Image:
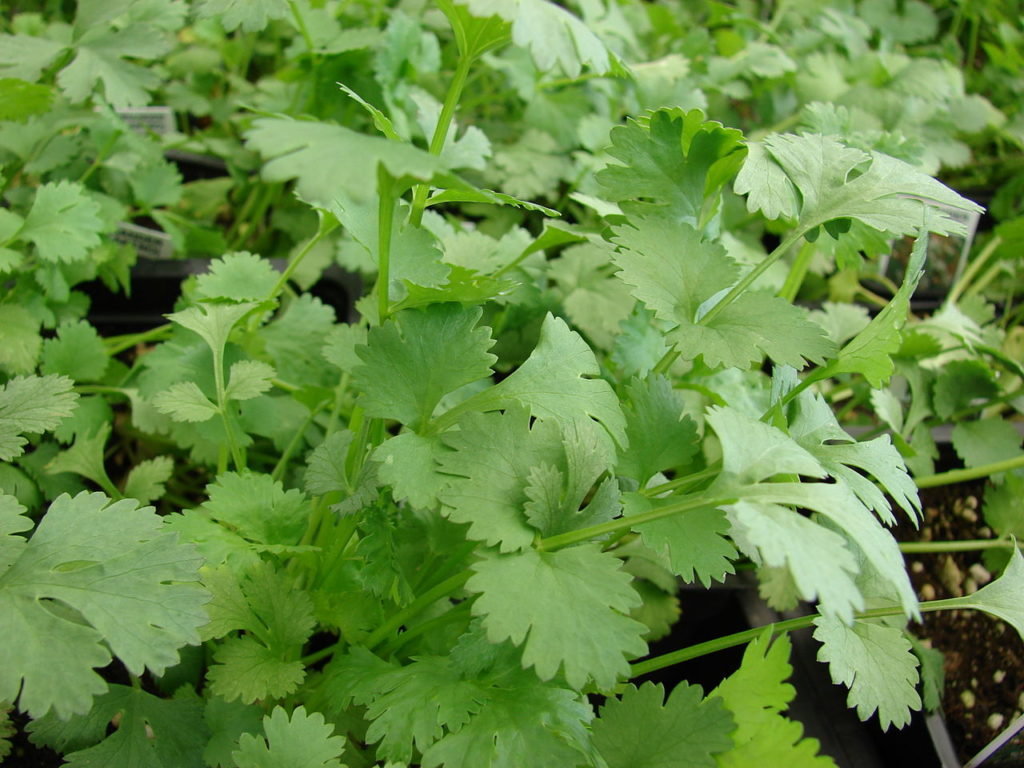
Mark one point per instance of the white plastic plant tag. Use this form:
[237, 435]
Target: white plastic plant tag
[159, 120]
[148, 243]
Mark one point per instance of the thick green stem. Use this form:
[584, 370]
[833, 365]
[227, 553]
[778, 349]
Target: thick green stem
[385, 222]
[970, 473]
[222, 407]
[117, 344]
[444, 121]
[647, 666]
[552, 543]
[421, 603]
[797, 272]
[747, 280]
[973, 269]
[965, 545]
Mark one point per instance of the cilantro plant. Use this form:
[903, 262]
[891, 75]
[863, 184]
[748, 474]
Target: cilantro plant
[446, 534]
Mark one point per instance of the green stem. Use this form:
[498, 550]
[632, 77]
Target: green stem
[293, 445]
[295, 261]
[552, 543]
[973, 269]
[753, 274]
[457, 612]
[647, 666]
[965, 545]
[444, 120]
[797, 272]
[116, 344]
[970, 473]
[222, 407]
[98, 161]
[385, 222]
[666, 361]
[424, 601]
[682, 482]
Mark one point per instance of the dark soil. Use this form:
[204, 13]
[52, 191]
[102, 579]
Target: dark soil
[984, 657]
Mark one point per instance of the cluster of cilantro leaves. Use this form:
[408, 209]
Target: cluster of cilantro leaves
[444, 535]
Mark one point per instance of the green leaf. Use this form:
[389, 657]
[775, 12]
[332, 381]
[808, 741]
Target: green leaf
[674, 166]
[1004, 506]
[20, 99]
[299, 741]
[876, 663]
[25, 57]
[64, 222]
[754, 451]
[248, 379]
[32, 404]
[329, 159]
[539, 600]
[185, 401]
[815, 428]
[694, 542]
[1001, 598]
[414, 705]
[250, 15]
[146, 480]
[640, 729]
[757, 694]
[96, 577]
[277, 619]
[86, 457]
[475, 36]
[986, 441]
[151, 732]
[553, 36]
[213, 322]
[258, 507]
[20, 341]
[418, 357]
[295, 339]
[489, 467]
[594, 300]
[829, 180]
[815, 557]
[555, 383]
[677, 274]
[961, 382]
[660, 436]
[870, 352]
[410, 464]
[227, 721]
[238, 276]
[525, 724]
[77, 351]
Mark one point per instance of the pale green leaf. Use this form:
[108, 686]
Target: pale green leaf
[553, 35]
[31, 405]
[557, 382]
[640, 729]
[238, 276]
[300, 740]
[213, 322]
[184, 401]
[817, 559]
[754, 451]
[489, 472]
[20, 342]
[876, 663]
[248, 379]
[132, 589]
[1001, 598]
[146, 480]
[660, 436]
[410, 464]
[77, 351]
[539, 600]
[250, 15]
[64, 222]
